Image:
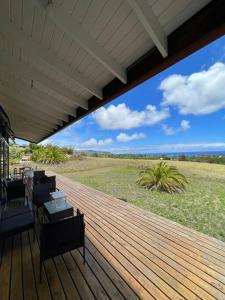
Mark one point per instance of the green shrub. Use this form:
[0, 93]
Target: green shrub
[49, 154]
[162, 177]
[15, 153]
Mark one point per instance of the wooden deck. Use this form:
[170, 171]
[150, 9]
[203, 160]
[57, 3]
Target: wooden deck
[131, 254]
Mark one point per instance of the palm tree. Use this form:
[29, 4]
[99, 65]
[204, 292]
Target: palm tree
[162, 177]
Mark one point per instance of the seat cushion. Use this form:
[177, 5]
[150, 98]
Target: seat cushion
[16, 224]
[12, 212]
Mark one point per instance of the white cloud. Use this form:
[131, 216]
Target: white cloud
[123, 137]
[168, 130]
[199, 93]
[94, 143]
[46, 142]
[122, 117]
[184, 125]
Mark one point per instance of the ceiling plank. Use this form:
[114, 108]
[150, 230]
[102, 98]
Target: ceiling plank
[27, 99]
[80, 36]
[25, 120]
[19, 123]
[40, 97]
[31, 72]
[20, 100]
[22, 40]
[25, 112]
[150, 22]
[22, 126]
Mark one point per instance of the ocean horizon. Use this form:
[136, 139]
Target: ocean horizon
[186, 153]
[189, 153]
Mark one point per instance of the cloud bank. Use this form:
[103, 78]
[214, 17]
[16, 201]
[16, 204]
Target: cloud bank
[96, 143]
[122, 117]
[198, 94]
[123, 137]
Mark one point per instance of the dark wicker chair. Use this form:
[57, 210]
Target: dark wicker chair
[15, 189]
[42, 190]
[62, 236]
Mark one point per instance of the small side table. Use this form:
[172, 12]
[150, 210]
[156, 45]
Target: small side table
[58, 195]
[58, 209]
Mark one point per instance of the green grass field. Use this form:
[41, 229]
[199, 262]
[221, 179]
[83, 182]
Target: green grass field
[201, 207]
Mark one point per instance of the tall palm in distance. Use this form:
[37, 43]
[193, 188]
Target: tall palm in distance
[162, 177]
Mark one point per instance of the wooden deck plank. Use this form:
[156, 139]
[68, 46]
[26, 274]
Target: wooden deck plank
[5, 270]
[67, 282]
[120, 267]
[92, 281]
[108, 285]
[114, 276]
[1, 250]
[16, 291]
[80, 282]
[56, 288]
[150, 287]
[43, 290]
[29, 285]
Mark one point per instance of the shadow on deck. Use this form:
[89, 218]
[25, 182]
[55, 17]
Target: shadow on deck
[131, 254]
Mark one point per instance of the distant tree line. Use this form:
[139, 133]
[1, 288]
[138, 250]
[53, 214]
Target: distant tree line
[213, 159]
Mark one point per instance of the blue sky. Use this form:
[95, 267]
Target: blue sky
[180, 109]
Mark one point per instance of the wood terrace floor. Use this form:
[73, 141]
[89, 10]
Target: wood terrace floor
[131, 254]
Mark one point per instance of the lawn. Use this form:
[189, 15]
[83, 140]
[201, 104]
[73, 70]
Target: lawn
[201, 206]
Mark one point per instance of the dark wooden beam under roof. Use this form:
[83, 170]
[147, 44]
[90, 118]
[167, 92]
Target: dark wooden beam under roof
[201, 29]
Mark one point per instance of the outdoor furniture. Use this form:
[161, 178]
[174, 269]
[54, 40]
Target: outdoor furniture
[38, 176]
[41, 191]
[57, 210]
[12, 211]
[62, 236]
[58, 195]
[13, 189]
[16, 220]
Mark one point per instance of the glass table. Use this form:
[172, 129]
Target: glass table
[58, 209]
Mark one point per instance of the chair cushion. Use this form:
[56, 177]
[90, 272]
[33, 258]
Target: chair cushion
[16, 224]
[12, 212]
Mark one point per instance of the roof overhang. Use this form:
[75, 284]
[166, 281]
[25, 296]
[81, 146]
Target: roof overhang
[42, 93]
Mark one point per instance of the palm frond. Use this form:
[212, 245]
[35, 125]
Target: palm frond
[162, 177]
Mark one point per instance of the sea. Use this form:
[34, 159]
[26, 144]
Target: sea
[197, 153]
